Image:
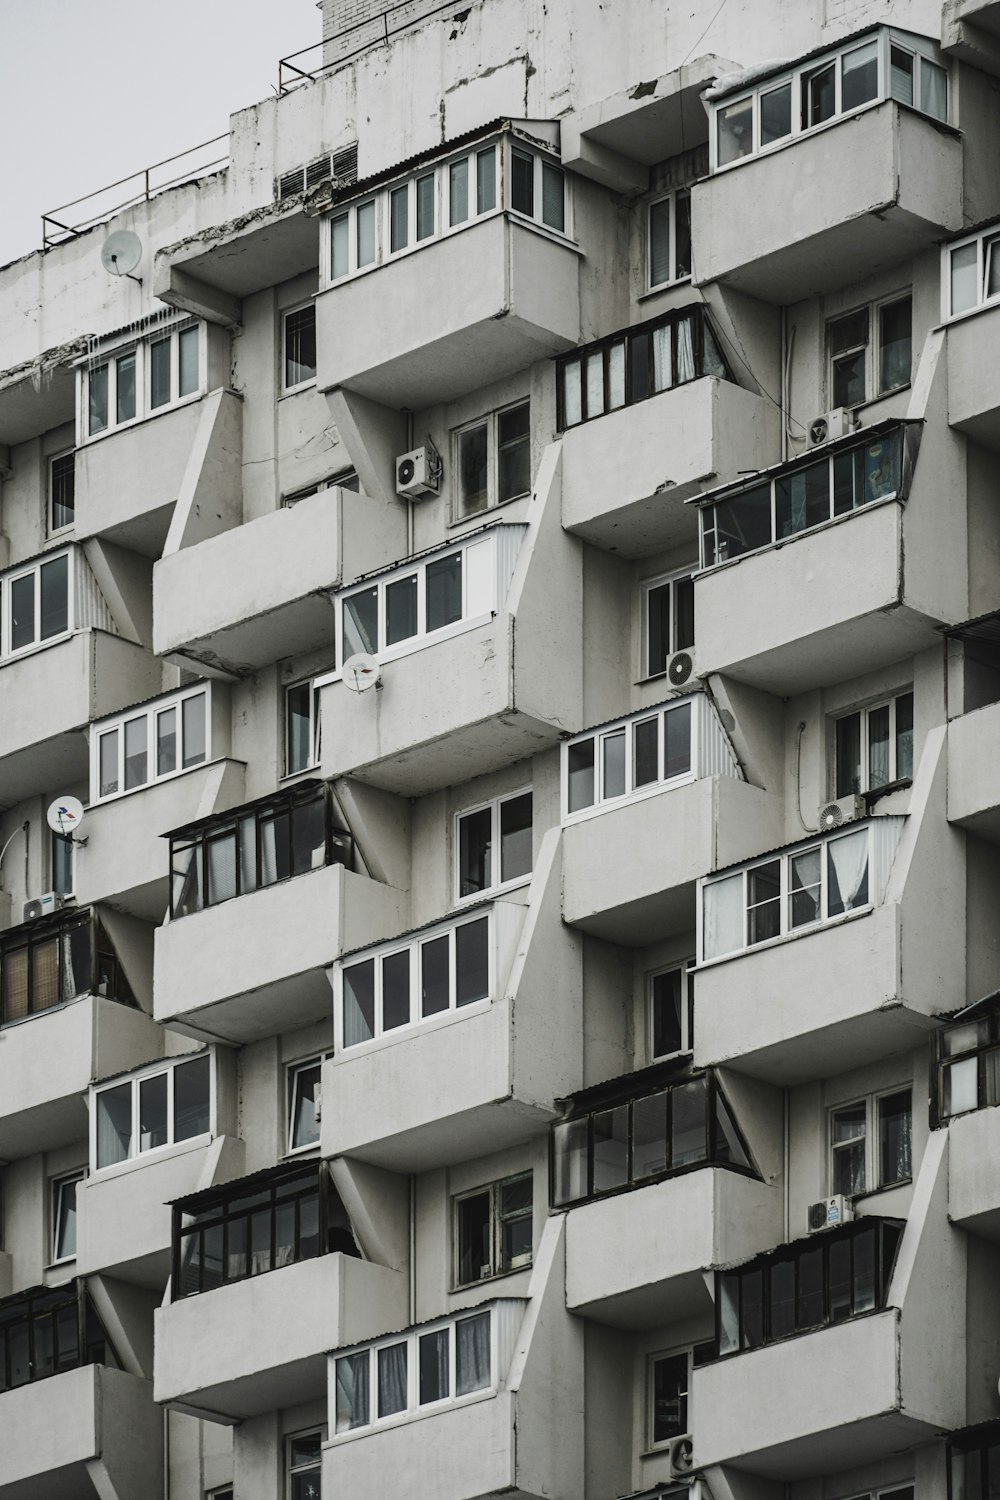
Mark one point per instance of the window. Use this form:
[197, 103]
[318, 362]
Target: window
[61, 857]
[158, 1107]
[636, 363]
[968, 1063]
[64, 1216]
[233, 854]
[440, 971]
[493, 460]
[668, 1385]
[970, 276]
[303, 1103]
[814, 491]
[258, 1224]
[50, 962]
[45, 1332]
[304, 1462]
[871, 1143]
[670, 1010]
[805, 1286]
[629, 1139]
[62, 491]
[161, 739]
[449, 589]
[494, 844]
[346, 479]
[870, 352]
[226, 1493]
[493, 1230]
[788, 103]
[299, 328]
[402, 1376]
[667, 621]
[642, 753]
[128, 384]
[35, 604]
[537, 188]
[973, 1464]
[873, 747]
[778, 896]
[668, 254]
[302, 727]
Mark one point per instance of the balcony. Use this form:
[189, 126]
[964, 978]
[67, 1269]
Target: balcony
[402, 337]
[87, 1432]
[36, 397]
[974, 1172]
[793, 539]
[869, 190]
[974, 772]
[290, 1267]
[262, 591]
[973, 383]
[706, 816]
[459, 1080]
[478, 692]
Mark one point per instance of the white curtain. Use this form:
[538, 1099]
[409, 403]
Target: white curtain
[685, 352]
[572, 410]
[847, 873]
[268, 856]
[352, 1391]
[616, 376]
[472, 1354]
[392, 1380]
[661, 358]
[723, 900]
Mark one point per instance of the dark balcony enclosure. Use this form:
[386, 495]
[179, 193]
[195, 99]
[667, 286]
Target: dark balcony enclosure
[52, 960]
[967, 1061]
[48, 1331]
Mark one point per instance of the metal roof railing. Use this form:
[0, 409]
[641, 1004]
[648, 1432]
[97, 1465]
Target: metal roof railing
[322, 57]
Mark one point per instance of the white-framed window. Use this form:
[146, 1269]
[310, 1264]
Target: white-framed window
[448, 590]
[444, 197]
[970, 272]
[133, 381]
[648, 750]
[670, 1010]
[304, 1464]
[667, 620]
[668, 1387]
[493, 844]
[873, 746]
[491, 458]
[161, 739]
[871, 1142]
[298, 346]
[885, 64]
[870, 351]
[404, 984]
[160, 1106]
[225, 1493]
[785, 893]
[344, 479]
[61, 865]
[63, 1209]
[303, 1095]
[61, 492]
[36, 604]
[302, 727]
[668, 238]
[440, 1364]
[493, 1229]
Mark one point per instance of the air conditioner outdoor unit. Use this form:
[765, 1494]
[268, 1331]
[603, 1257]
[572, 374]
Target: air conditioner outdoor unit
[681, 1453]
[828, 1213]
[44, 906]
[844, 810]
[829, 425]
[680, 668]
[418, 473]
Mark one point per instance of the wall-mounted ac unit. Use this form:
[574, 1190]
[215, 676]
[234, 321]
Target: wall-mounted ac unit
[418, 472]
[844, 810]
[680, 668]
[829, 425]
[44, 906]
[828, 1213]
[681, 1453]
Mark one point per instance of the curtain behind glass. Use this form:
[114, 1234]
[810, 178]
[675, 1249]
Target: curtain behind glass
[662, 377]
[848, 873]
[685, 351]
[391, 1380]
[352, 1391]
[723, 904]
[114, 1124]
[472, 1354]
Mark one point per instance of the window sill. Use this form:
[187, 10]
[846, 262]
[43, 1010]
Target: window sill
[291, 777]
[521, 883]
[33, 650]
[296, 390]
[146, 1158]
[662, 1449]
[149, 786]
[433, 1409]
[462, 1288]
[613, 804]
[664, 286]
[418, 643]
[788, 937]
[423, 1027]
[476, 520]
[787, 541]
[147, 416]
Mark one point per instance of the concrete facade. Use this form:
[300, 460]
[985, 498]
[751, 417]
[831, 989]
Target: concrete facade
[515, 588]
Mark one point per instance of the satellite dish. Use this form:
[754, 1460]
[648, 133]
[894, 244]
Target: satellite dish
[361, 672]
[121, 253]
[65, 815]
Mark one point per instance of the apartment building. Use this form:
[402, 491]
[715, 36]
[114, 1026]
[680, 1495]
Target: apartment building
[508, 567]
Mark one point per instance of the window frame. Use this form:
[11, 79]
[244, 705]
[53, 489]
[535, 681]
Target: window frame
[108, 357]
[863, 712]
[60, 928]
[685, 967]
[166, 1067]
[33, 569]
[672, 198]
[57, 1191]
[287, 388]
[59, 841]
[601, 733]
[495, 887]
[497, 1220]
[491, 421]
[987, 243]
[51, 529]
[293, 1070]
[986, 1022]
[315, 728]
[874, 389]
[152, 710]
[653, 1443]
[313, 1466]
[647, 588]
[343, 479]
[871, 1141]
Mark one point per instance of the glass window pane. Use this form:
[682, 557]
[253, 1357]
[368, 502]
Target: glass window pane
[849, 379]
[646, 752]
[572, 411]
[298, 736]
[97, 393]
[125, 388]
[670, 1397]
[895, 344]
[474, 1238]
[475, 837]
[964, 282]
[809, 1293]
[62, 488]
[401, 610]
[847, 873]
[54, 597]
[688, 1123]
[472, 1354]
[848, 746]
[185, 868]
[188, 379]
[361, 623]
[863, 1246]
[472, 961]
[391, 1379]
[153, 1112]
[339, 246]
[166, 742]
[735, 131]
[486, 180]
[723, 916]
[395, 990]
[859, 76]
[639, 349]
[782, 1298]
[159, 372]
[659, 242]
[666, 1002]
[933, 89]
[399, 218]
[22, 604]
[658, 621]
[515, 836]
[553, 197]
[473, 470]
[434, 989]
[62, 863]
[65, 1244]
[300, 345]
[135, 752]
[352, 1392]
[569, 1153]
[802, 499]
[192, 1093]
[729, 1315]
[458, 191]
[682, 234]
[764, 902]
[649, 1136]
[894, 1137]
[514, 452]
[616, 376]
[610, 1136]
[961, 1090]
[752, 1309]
[804, 873]
[365, 222]
[425, 206]
[901, 75]
[194, 730]
[677, 741]
[904, 736]
[444, 591]
[433, 1352]
[840, 1280]
[878, 746]
[359, 1002]
[847, 1140]
[728, 1146]
[820, 95]
[114, 1124]
[741, 524]
[775, 114]
[304, 1129]
[613, 763]
[522, 186]
[580, 773]
[220, 860]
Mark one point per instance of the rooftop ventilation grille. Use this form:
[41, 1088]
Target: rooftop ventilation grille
[340, 167]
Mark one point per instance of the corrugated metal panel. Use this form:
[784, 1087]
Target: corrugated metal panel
[91, 610]
[509, 539]
[715, 754]
[885, 834]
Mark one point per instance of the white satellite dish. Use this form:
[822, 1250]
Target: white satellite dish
[361, 672]
[121, 253]
[65, 815]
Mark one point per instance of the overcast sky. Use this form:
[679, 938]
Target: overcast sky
[93, 90]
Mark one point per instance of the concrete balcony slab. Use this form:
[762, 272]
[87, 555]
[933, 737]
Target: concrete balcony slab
[90, 1432]
[974, 772]
[636, 1260]
[260, 1344]
[260, 960]
[401, 336]
[869, 190]
[48, 1062]
[974, 1172]
[974, 381]
[627, 474]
